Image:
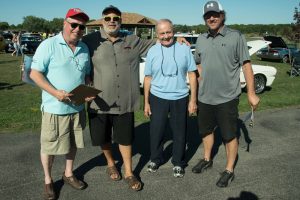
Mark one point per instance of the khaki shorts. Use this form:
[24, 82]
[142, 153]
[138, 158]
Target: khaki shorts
[60, 133]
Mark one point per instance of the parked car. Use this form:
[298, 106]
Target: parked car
[9, 47]
[191, 38]
[29, 43]
[277, 50]
[263, 75]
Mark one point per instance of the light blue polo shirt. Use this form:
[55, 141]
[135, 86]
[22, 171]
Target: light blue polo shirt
[63, 68]
[168, 67]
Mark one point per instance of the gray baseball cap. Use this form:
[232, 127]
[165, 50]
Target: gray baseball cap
[212, 6]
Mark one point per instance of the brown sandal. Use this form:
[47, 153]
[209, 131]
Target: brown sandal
[113, 171]
[133, 181]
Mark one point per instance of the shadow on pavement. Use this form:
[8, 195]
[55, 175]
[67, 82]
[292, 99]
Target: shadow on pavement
[141, 144]
[245, 196]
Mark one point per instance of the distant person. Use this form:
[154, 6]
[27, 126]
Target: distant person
[60, 64]
[19, 44]
[15, 44]
[167, 94]
[220, 53]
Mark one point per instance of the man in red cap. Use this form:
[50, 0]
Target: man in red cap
[60, 64]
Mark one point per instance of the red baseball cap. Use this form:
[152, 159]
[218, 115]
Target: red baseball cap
[77, 12]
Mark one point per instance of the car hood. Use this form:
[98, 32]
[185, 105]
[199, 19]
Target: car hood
[269, 70]
[256, 45]
[276, 41]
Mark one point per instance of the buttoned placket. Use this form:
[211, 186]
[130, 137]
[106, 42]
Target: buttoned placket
[117, 76]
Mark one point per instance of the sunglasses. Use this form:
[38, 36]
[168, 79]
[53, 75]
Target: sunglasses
[75, 25]
[211, 14]
[114, 19]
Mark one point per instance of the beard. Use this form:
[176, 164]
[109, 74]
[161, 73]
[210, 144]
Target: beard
[112, 32]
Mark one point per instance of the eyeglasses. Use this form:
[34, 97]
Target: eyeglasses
[76, 62]
[75, 25]
[114, 19]
[211, 14]
[162, 62]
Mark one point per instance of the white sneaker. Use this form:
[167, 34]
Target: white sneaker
[178, 171]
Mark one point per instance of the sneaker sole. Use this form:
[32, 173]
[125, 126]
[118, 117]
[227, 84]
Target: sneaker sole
[178, 175]
[151, 170]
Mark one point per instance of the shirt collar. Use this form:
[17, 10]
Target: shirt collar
[104, 35]
[222, 32]
[61, 39]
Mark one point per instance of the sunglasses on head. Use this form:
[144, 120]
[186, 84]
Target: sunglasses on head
[75, 25]
[114, 19]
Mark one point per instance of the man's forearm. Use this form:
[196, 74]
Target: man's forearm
[193, 86]
[248, 74]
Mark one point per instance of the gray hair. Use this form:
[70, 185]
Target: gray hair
[164, 21]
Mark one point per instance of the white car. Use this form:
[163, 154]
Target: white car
[263, 75]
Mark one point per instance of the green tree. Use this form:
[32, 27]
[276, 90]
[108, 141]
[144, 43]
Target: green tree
[4, 26]
[296, 25]
[56, 25]
[34, 24]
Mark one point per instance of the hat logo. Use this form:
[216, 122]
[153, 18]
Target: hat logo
[76, 10]
[210, 5]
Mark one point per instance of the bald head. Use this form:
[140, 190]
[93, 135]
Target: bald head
[164, 22]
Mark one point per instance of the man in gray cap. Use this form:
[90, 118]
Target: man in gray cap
[220, 54]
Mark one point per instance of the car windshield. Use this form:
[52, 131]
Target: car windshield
[31, 39]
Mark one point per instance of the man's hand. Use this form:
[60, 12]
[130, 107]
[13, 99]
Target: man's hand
[147, 110]
[63, 96]
[253, 100]
[88, 99]
[192, 107]
[182, 40]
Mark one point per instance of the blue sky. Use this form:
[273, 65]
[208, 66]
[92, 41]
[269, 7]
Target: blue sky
[179, 11]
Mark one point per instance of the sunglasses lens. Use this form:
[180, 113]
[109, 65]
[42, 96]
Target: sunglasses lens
[81, 27]
[116, 19]
[74, 26]
[107, 19]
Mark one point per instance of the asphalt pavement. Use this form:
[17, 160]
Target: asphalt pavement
[267, 167]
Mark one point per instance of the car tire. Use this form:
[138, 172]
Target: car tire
[259, 83]
[6, 49]
[285, 59]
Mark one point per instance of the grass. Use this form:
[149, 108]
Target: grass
[20, 103]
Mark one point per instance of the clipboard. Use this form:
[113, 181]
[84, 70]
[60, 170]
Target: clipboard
[81, 92]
